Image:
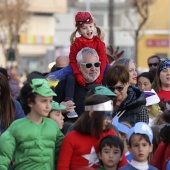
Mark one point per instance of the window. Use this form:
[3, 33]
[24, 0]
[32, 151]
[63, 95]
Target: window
[99, 19]
[117, 20]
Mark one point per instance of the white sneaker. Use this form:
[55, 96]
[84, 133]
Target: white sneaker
[72, 114]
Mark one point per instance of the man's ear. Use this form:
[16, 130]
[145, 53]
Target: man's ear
[78, 65]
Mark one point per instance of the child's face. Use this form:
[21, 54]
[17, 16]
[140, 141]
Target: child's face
[41, 107]
[154, 110]
[110, 156]
[57, 117]
[87, 31]
[140, 148]
[106, 124]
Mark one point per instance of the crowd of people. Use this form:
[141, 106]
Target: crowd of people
[99, 112]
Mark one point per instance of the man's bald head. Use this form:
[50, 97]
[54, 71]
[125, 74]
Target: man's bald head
[62, 61]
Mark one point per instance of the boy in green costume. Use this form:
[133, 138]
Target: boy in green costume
[32, 142]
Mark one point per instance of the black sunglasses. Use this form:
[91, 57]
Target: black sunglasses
[118, 88]
[152, 64]
[89, 65]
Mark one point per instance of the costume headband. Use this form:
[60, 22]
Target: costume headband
[120, 126]
[104, 91]
[141, 128]
[106, 106]
[165, 64]
[42, 87]
[151, 97]
[83, 18]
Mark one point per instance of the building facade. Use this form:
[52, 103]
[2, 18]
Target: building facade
[37, 36]
[155, 36]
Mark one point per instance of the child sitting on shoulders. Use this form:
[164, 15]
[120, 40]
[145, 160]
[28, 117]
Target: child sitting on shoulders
[90, 36]
[110, 152]
[140, 145]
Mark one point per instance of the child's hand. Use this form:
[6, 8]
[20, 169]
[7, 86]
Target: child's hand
[80, 79]
[70, 106]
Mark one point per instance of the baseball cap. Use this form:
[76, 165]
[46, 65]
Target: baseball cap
[104, 91]
[141, 128]
[42, 87]
[57, 106]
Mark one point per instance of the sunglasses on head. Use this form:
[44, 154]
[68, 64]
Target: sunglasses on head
[118, 88]
[89, 65]
[152, 64]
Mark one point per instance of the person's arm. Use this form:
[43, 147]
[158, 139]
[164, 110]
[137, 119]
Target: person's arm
[101, 50]
[58, 143]
[74, 49]
[70, 105]
[143, 115]
[65, 154]
[7, 148]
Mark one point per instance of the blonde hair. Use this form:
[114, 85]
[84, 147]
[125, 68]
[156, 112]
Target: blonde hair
[99, 31]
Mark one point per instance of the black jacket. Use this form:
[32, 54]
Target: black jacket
[134, 107]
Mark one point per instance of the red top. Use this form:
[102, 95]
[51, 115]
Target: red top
[164, 96]
[161, 156]
[94, 43]
[78, 150]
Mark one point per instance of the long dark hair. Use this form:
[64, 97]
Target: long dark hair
[92, 123]
[7, 107]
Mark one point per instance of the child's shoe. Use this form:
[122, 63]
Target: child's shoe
[72, 114]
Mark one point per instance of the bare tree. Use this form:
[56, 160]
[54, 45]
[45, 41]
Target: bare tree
[141, 9]
[111, 21]
[13, 14]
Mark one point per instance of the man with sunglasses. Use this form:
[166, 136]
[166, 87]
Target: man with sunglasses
[153, 62]
[89, 66]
